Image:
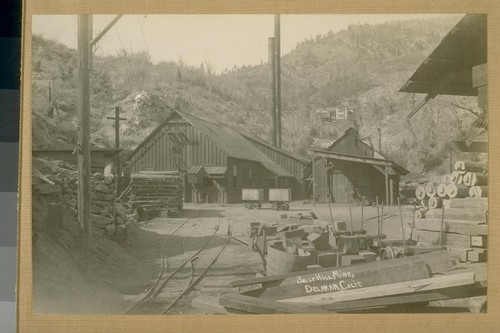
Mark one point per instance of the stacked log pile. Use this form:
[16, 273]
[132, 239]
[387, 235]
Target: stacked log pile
[454, 212]
[156, 190]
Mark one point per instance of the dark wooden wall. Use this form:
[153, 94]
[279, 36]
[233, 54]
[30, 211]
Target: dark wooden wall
[320, 180]
[155, 153]
[336, 181]
[294, 166]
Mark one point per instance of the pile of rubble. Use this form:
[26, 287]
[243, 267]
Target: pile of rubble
[55, 186]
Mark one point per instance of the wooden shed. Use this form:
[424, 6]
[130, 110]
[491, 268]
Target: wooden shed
[351, 169]
[217, 161]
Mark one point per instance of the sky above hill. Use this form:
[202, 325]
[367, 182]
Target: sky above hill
[222, 40]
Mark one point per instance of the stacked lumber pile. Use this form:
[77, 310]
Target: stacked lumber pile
[464, 228]
[459, 203]
[156, 190]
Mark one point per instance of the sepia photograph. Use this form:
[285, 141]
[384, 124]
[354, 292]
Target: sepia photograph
[209, 164]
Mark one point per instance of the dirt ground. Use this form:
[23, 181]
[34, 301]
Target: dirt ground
[237, 261]
[135, 265]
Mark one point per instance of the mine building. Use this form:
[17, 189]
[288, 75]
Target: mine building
[217, 161]
[350, 170]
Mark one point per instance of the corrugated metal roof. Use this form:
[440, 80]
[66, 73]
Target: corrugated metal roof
[234, 144]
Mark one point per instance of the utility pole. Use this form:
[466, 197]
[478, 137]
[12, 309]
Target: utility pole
[379, 140]
[117, 119]
[83, 149]
[277, 48]
[84, 54]
[272, 64]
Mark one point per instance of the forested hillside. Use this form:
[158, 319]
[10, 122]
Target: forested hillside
[362, 68]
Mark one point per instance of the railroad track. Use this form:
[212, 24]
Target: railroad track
[149, 303]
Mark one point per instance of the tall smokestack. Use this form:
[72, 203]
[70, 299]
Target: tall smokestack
[277, 48]
[272, 66]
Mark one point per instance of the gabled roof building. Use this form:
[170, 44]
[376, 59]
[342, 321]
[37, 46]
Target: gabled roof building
[217, 161]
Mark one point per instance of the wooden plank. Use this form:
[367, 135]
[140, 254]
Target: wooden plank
[262, 306]
[460, 253]
[477, 289]
[477, 255]
[432, 237]
[436, 262]
[344, 278]
[464, 214]
[406, 287]
[479, 241]
[453, 226]
[469, 203]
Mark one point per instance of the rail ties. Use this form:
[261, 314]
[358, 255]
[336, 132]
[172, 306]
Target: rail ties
[149, 302]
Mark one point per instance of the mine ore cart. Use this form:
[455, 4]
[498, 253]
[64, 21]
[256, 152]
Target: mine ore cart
[278, 197]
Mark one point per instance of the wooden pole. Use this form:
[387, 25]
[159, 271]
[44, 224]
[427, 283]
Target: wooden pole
[413, 221]
[451, 161]
[402, 225]
[382, 220]
[105, 30]
[362, 211]
[378, 221]
[350, 209]
[331, 214]
[379, 140]
[277, 49]
[391, 192]
[441, 229]
[386, 185]
[117, 119]
[84, 134]
[272, 64]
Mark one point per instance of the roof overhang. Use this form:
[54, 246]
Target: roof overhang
[448, 69]
[277, 170]
[215, 171]
[361, 159]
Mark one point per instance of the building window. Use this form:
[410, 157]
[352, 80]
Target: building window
[235, 174]
[250, 177]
